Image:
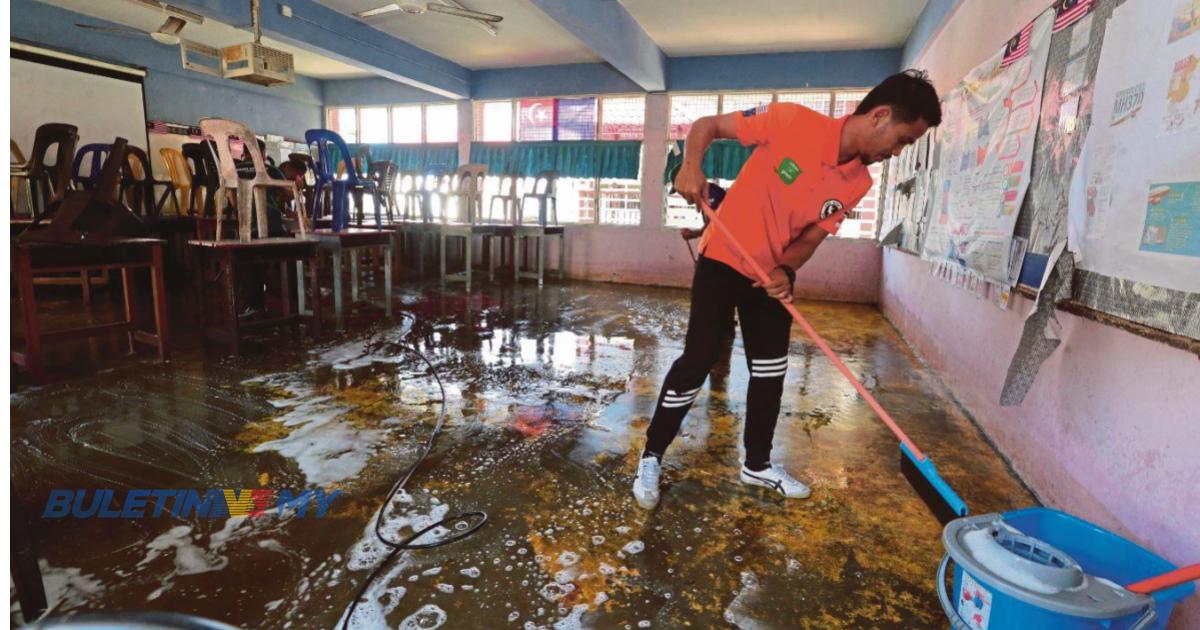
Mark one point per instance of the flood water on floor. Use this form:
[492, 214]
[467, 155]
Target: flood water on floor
[548, 393]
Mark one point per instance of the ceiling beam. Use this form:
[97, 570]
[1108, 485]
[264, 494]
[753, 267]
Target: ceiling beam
[327, 32]
[611, 32]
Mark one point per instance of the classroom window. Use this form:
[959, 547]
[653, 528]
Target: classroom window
[820, 102]
[344, 121]
[441, 123]
[622, 118]
[535, 120]
[373, 123]
[406, 124]
[741, 101]
[575, 118]
[845, 102]
[494, 121]
[687, 108]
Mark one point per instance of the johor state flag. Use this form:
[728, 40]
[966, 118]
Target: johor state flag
[1017, 47]
[576, 119]
[1068, 12]
[536, 120]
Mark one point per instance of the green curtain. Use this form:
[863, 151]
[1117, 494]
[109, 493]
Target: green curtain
[571, 158]
[723, 160]
[413, 157]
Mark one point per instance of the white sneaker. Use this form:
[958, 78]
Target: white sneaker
[777, 479]
[645, 486]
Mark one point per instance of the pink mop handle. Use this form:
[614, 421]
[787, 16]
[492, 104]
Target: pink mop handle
[808, 329]
[1167, 580]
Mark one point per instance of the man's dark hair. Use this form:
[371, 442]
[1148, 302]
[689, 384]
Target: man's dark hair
[909, 94]
[297, 165]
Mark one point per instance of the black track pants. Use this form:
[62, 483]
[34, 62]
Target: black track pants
[717, 289]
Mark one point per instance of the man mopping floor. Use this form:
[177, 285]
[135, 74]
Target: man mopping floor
[807, 172]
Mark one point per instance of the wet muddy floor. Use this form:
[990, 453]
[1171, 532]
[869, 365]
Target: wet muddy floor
[548, 393]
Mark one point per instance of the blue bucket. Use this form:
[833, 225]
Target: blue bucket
[1042, 568]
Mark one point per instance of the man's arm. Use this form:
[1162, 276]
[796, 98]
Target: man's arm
[690, 182]
[794, 256]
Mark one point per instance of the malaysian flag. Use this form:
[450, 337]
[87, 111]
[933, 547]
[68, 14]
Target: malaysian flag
[157, 126]
[1017, 47]
[1068, 12]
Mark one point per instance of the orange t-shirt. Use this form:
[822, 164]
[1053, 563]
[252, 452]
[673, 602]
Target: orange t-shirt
[791, 181]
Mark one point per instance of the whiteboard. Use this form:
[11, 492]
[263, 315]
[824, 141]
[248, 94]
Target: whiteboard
[102, 107]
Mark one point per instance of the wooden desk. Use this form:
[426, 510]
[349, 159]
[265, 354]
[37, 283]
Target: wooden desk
[228, 255]
[353, 241]
[121, 254]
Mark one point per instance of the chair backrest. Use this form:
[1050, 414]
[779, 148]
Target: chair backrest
[545, 183]
[470, 177]
[508, 185]
[137, 178]
[138, 163]
[323, 139]
[95, 155]
[64, 137]
[384, 173]
[15, 156]
[222, 131]
[177, 167]
[201, 164]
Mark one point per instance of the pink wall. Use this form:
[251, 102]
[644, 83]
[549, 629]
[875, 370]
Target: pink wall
[1110, 430]
[845, 270]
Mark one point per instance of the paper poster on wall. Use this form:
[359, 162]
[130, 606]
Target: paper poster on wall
[1172, 219]
[1134, 207]
[1183, 96]
[989, 124]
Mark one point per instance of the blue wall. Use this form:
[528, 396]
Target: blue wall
[856, 68]
[931, 18]
[374, 91]
[849, 68]
[561, 80]
[172, 93]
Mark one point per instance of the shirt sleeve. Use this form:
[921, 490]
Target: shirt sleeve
[757, 125]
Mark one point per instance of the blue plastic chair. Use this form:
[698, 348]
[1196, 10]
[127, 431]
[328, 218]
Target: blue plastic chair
[98, 153]
[326, 176]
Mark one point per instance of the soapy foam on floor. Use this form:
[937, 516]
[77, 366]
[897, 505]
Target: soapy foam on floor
[68, 587]
[327, 449]
[428, 617]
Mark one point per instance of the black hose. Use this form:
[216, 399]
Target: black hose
[471, 521]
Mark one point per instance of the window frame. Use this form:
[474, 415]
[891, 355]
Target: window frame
[330, 109]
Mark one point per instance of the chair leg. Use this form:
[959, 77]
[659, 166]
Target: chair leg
[541, 259]
[354, 277]
[337, 287]
[387, 279]
[442, 256]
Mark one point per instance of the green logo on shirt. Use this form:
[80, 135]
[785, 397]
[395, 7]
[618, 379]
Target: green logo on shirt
[788, 170]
